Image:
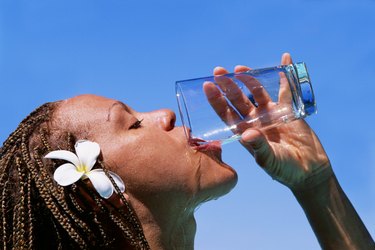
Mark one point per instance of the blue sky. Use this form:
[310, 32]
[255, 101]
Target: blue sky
[134, 51]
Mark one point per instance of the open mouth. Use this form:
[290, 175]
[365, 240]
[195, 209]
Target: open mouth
[196, 142]
[211, 147]
[202, 145]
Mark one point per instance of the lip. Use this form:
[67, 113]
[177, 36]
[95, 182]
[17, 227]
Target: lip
[205, 146]
[198, 144]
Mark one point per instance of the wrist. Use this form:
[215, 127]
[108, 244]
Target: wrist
[317, 178]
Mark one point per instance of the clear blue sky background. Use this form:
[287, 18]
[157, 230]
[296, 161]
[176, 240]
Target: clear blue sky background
[134, 51]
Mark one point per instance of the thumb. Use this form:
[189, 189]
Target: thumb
[256, 142]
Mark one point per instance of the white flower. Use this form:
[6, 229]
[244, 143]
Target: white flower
[80, 168]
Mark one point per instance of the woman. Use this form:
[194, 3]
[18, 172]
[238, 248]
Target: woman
[49, 203]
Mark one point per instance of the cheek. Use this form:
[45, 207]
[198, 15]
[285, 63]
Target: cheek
[153, 167]
[166, 167]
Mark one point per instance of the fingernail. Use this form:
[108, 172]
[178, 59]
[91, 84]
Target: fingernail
[248, 136]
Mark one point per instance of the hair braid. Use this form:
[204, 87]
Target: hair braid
[29, 213]
[42, 134]
[4, 209]
[120, 221]
[75, 203]
[55, 191]
[101, 230]
[4, 182]
[128, 214]
[45, 193]
[19, 215]
[80, 204]
[59, 238]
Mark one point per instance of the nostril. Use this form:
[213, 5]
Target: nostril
[173, 121]
[166, 119]
[170, 121]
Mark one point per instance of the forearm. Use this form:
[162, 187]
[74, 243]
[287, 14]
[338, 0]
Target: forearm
[333, 218]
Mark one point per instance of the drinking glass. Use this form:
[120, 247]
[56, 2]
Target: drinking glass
[220, 108]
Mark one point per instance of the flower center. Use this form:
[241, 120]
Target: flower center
[82, 168]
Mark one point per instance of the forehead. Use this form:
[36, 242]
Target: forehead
[88, 100]
[86, 109]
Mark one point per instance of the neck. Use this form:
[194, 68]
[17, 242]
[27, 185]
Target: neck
[167, 228]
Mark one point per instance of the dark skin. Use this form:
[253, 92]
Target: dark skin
[293, 155]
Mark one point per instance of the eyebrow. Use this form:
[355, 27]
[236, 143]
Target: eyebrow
[124, 106]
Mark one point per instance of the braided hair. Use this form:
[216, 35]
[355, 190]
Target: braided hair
[36, 213]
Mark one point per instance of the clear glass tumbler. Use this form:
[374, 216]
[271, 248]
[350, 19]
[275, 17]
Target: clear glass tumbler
[220, 108]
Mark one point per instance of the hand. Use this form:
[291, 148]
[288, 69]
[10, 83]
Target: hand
[290, 153]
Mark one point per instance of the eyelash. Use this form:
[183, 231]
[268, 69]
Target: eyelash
[136, 125]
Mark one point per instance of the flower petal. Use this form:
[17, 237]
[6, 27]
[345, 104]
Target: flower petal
[67, 174]
[63, 155]
[87, 152]
[101, 182]
[119, 182]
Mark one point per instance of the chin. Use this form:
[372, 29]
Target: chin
[230, 180]
[221, 180]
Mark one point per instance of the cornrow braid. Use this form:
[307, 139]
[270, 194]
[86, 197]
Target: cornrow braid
[36, 213]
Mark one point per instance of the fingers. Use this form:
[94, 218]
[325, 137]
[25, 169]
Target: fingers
[234, 94]
[286, 59]
[231, 90]
[227, 91]
[220, 71]
[256, 142]
[220, 104]
[260, 94]
[256, 88]
[241, 68]
[285, 94]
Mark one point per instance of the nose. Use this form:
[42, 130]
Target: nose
[164, 118]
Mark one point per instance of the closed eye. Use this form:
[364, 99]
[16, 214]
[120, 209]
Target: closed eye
[136, 125]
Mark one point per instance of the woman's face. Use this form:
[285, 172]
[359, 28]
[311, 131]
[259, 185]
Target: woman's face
[152, 156]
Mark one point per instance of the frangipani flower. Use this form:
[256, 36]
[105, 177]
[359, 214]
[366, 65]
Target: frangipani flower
[80, 168]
